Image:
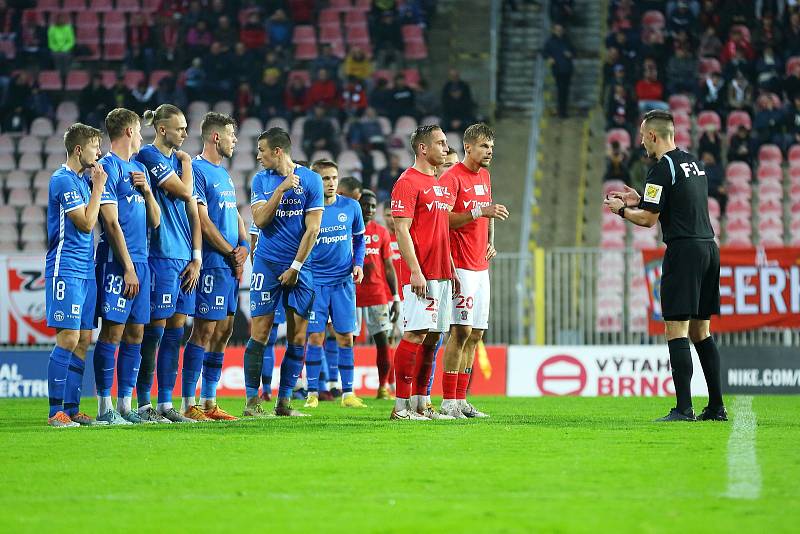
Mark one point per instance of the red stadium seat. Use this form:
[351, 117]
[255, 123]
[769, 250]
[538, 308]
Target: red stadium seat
[412, 77]
[613, 185]
[128, 6]
[736, 119]
[769, 171]
[158, 75]
[791, 63]
[329, 17]
[87, 19]
[738, 205]
[744, 30]
[739, 241]
[771, 241]
[50, 80]
[341, 5]
[682, 120]
[770, 154]
[357, 35]
[77, 80]
[713, 207]
[114, 21]
[73, 5]
[738, 225]
[330, 34]
[87, 35]
[621, 136]
[740, 188]
[680, 103]
[305, 51]
[114, 51]
[739, 169]
[113, 37]
[770, 190]
[150, 6]
[709, 118]
[355, 18]
[413, 33]
[304, 34]
[101, 6]
[683, 140]
[133, 77]
[416, 51]
[708, 65]
[653, 19]
[794, 156]
[48, 5]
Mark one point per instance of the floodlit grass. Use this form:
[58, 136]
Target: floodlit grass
[551, 464]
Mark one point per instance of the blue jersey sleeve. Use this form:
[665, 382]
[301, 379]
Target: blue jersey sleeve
[259, 193]
[109, 195]
[199, 184]
[254, 230]
[359, 245]
[156, 164]
[68, 194]
[315, 199]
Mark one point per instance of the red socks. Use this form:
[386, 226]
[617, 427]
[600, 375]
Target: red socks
[449, 385]
[405, 357]
[384, 364]
[463, 384]
[424, 368]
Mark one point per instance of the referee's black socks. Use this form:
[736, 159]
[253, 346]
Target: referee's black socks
[709, 360]
[680, 359]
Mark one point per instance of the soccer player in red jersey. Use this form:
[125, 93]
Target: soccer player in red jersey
[420, 209]
[371, 298]
[471, 240]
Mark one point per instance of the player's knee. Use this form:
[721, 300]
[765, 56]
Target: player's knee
[676, 329]
[317, 339]
[698, 331]
[133, 334]
[110, 333]
[475, 336]
[202, 332]
[414, 337]
[460, 334]
[68, 339]
[345, 341]
[223, 333]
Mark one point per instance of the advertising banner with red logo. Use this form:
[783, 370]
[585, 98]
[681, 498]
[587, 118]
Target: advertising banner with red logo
[595, 371]
[758, 288]
[22, 311]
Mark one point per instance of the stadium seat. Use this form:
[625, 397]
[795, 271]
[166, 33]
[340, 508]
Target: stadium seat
[8, 214]
[406, 159]
[29, 144]
[770, 190]
[198, 108]
[33, 214]
[7, 163]
[348, 162]
[653, 19]
[770, 154]
[192, 144]
[277, 122]
[67, 110]
[683, 140]
[113, 37]
[713, 207]
[329, 17]
[386, 125]
[354, 19]
[405, 126]
[739, 241]
[17, 180]
[19, 198]
[157, 75]
[715, 225]
[771, 241]
[304, 34]
[739, 169]
[304, 74]
[251, 126]
[412, 33]
[6, 144]
[77, 80]
[341, 5]
[680, 103]
[416, 51]
[378, 160]
[114, 51]
[791, 63]
[769, 171]
[770, 206]
[87, 20]
[738, 205]
[114, 21]
[740, 188]
[305, 51]
[709, 118]
[50, 80]
[621, 136]
[42, 177]
[358, 36]
[682, 120]
[73, 5]
[794, 156]
[298, 154]
[101, 6]
[612, 241]
[243, 161]
[708, 65]
[8, 234]
[42, 127]
[128, 6]
[736, 119]
[330, 34]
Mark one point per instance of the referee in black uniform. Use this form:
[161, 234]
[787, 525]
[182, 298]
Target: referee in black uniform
[676, 193]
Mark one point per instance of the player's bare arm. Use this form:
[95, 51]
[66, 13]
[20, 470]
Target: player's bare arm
[85, 219]
[240, 252]
[391, 279]
[494, 211]
[264, 212]
[403, 233]
[191, 274]
[490, 250]
[140, 182]
[211, 233]
[118, 244]
[313, 219]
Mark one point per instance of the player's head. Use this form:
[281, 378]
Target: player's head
[273, 145]
[83, 142]
[479, 144]
[123, 123]
[449, 160]
[219, 131]
[429, 143]
[369, 205]
[169, 123]
[350, 186]
[387, 217]
[329, 172]
[658, 131]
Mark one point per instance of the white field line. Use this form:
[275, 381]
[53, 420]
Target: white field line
[744, 473]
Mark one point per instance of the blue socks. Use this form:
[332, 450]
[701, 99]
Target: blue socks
[346, 368]
[147, 367]
[72, 394]
[192, 365]
[212, 371]
[313, 366]
[57, 378]
[253, 361]
[130, 357]
[433, 367]
[268, 361]
[291, 367]
[332, 356]
[167, 363]
[103, 361]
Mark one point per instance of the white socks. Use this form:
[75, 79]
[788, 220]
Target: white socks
[400, 404]
[186, 403]
[143, 408]
[348, 394]
[164, 407]
[124, 405]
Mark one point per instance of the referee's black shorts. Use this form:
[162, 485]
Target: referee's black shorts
[690, 280]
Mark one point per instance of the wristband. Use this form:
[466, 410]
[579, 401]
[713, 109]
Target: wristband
[244, 243]
[197, 255]
[476, 213]
[297, 265]
[395, 298]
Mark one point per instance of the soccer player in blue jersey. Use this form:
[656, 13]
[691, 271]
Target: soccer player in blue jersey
[225, 249]
[287, 205]
[70, 291]
[176, 257]
[127, 209]
[337, 261]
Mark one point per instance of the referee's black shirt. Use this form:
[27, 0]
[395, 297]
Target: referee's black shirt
[677, 189]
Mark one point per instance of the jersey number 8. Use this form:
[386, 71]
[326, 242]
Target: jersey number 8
[61, 287]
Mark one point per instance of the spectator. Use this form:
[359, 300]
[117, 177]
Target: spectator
[120, 94]
[170, 37]
[650, 91]
[40, 104]
[194, 14]
[94, 102]
[793, 122]
[17, 95]
[245, 100]
[791, 85]
[168, 92]
[279, 29]
[270, 96]
[357, 64]
[296, 98]
[681, 19]
[655, 48]
[740, 93]
[323, 90]
[712, 93]
[562, 11]
[768, 121]
[737, 12]
[273, 62]
[366, 132]
[769, 70]
[195, 80]
[319, 132]
[610, 63]
[198, 39]
[427, 102]
[741, 147]
[767, 33]
[61, 41]
[710, 141]
[326, 60]
[628, 51]
[141, 44]
[710, 45]
[387, 177]
[559, 53]
[143, 96]
[617, 164]
[217, 64]
[709, 16]
[739, 62]
[715, 176]
[457, 103]
[402, 101]
[737, 42]
[225, 34]
[354, 98]
[381, 96]
[387, 38]
[242, 62]
[792, 39]
[681, 73]
[253, 34]
[16, 121]
[621, 109]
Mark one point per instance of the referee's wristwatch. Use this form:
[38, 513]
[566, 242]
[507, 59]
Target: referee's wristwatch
[621, 211]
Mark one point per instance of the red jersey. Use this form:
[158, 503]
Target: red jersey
[403, 275]
[420, 197]
[372, 290]
[469, 190]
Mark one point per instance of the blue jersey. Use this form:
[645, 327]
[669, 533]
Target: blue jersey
[70, 252]
[215, 190]
[173, 237]
[280, 239]
[332, 257]
[131, 209]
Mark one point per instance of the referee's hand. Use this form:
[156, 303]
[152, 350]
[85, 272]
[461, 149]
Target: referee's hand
[629, 196]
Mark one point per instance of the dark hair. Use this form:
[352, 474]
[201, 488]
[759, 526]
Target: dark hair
[78, 135]
[323, 163]
[422, 135]
[118, 120]
[478, 131]
[660, 121]
[213, 122]
[451, 151]
[277, 138]
[350, 184]
[366, 193]
[162, 113]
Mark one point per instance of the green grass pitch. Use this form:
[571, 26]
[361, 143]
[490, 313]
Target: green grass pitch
[538, 465]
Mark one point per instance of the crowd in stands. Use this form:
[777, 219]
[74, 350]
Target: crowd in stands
[341, 75]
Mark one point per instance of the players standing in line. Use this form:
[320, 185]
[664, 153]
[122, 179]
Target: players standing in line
[337, 261]
[472, 246]
[371, 296]
[420, 209]
[350, 187]
[676, 193]
[176, 257]
[70, 290]
[225, 249]
[127, 209]
[287, 205]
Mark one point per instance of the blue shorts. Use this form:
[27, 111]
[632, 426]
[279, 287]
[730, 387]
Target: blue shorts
[280, 314]
[166, 296]
[70, 302]
[266, 292]
[337, 301]
[217, 294]
[111, 305]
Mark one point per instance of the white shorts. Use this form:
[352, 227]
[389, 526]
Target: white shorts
[471, 306]
[431, 313]
[376, 317]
